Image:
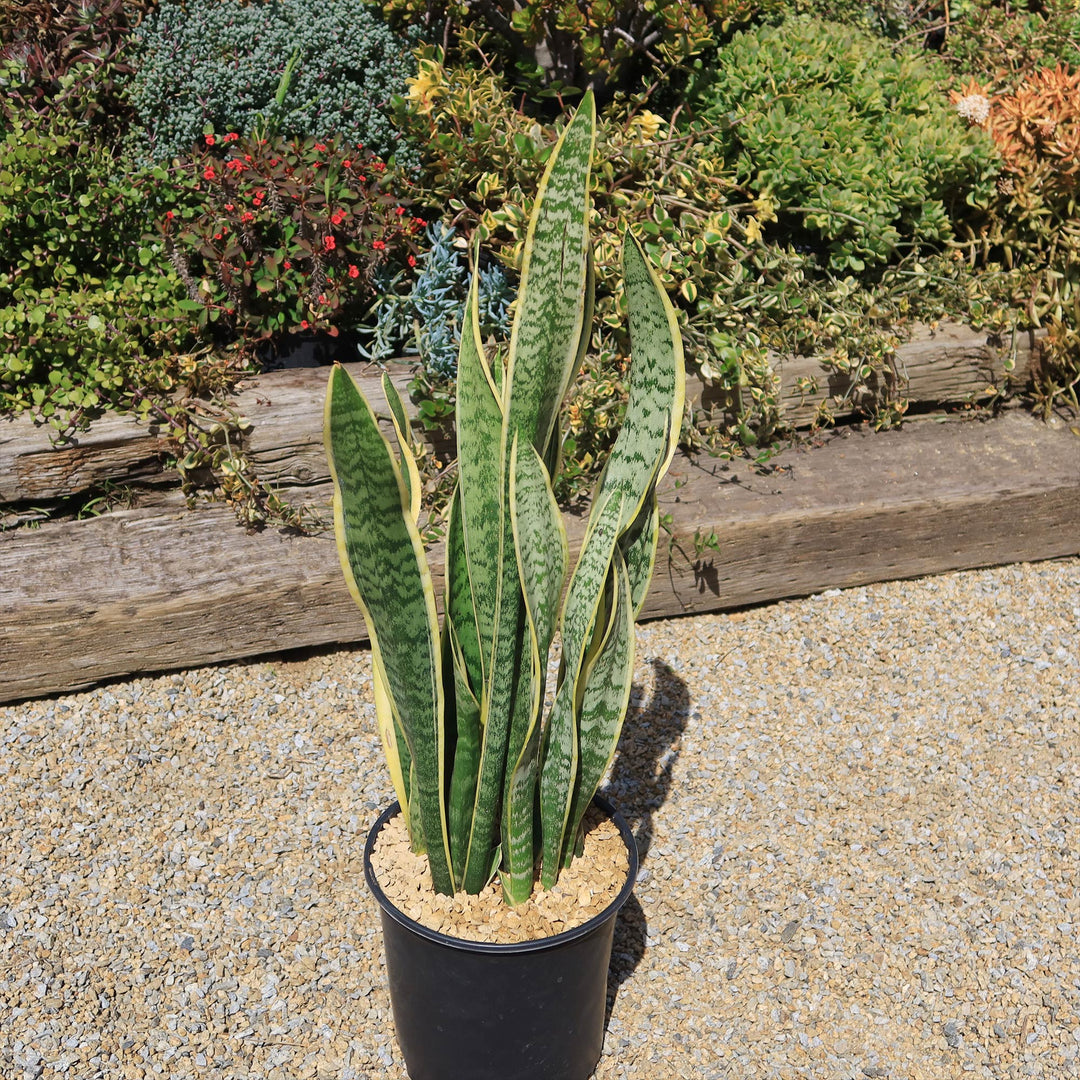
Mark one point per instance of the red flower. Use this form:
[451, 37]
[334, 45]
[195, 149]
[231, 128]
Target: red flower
[208, 172]
[210, 140]
[320, 146]
[412, 260]
[379, 245]
[247, 215]
[329, 243]
[229, 206]
[337, 217]
[304, 324]
[231, 137]
[169, 215]
[353, 272]
[400, 211]
[347, 164]
[287, 264]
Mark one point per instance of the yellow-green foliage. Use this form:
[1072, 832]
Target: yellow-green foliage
[481, 157]
[89, 316]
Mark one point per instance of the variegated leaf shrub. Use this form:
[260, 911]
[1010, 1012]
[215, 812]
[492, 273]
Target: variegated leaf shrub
[489, 784]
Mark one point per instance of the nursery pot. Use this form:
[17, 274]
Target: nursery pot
[471, 1010]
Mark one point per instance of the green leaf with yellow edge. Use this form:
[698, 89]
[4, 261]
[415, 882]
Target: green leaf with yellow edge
[604, 692]
[545, 344]
[542, 555]
[560, 752]
[383, 561]
[410, 473]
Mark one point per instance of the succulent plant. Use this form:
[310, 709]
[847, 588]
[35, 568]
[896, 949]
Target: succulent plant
[489, 784]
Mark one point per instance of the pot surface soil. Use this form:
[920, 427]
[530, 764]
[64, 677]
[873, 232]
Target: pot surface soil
[584, 889]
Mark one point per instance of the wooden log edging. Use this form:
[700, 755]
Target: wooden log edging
[948, 363]
[150, 590]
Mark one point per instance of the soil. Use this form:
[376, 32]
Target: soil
[583, 890]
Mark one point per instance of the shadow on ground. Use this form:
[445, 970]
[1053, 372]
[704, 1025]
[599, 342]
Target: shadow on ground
[639, 785]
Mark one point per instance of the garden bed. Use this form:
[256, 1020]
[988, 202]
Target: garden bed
[159, 586]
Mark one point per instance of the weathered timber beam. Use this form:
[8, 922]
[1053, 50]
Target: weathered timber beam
[35, 468]
[947, 364]
[137, 591]
[122, 449]
[955, 364]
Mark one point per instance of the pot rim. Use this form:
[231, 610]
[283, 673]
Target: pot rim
[507, 948]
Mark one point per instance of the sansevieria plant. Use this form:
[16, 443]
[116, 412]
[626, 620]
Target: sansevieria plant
[489, 784]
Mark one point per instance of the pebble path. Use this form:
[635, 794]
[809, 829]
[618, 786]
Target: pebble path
[859, 816]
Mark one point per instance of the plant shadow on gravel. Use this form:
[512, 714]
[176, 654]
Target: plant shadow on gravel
[640, 783]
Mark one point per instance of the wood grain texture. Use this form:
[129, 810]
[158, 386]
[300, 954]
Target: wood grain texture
[948, 364]
[863, 507]
[116, 448]
[169, 588]
[945, 364]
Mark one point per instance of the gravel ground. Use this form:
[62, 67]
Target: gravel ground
[858, 815]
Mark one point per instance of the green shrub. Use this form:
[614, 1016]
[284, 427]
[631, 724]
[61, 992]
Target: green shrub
[842, 142]
[582, 43]
[217, 64]
[276, 235]
[991, 39]
[87, 315]
[71, 55]
[884, 18]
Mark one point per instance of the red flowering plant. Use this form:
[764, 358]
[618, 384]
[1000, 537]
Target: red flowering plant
[277, 235]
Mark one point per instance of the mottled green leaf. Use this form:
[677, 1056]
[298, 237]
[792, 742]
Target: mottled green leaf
[638, 546]
[604, 692]
[395, 747]
[458, 600]
[550, 320]
[465, 756]
[542, 555]
[517, 821]
[539, 539]
[559, 759]
[383, 561]
[646, 442]
[479, 419]
[410, 473]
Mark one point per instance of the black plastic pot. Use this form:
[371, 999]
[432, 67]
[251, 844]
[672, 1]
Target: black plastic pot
[470, 1010]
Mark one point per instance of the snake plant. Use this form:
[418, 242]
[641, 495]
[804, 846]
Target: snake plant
[489, 784]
